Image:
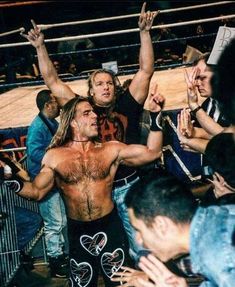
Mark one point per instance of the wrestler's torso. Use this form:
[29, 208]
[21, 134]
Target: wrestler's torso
[85, 178]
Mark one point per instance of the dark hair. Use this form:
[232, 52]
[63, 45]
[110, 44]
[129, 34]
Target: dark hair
[223, 82]
[165, 196]
[220, 153]
[43, 97]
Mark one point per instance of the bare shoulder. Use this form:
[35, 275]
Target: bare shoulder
[52, 156]
[113, 145]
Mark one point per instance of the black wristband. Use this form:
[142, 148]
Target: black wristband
[155, 121]
[195, 111]
[14, 184]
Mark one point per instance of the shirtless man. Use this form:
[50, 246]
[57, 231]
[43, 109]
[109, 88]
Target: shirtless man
[118, 116]
[84, 169]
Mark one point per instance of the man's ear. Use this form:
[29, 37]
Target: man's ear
[161, 226]
[91, 92]
[73, 123]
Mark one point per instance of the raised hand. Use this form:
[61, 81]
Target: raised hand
[128, 277]
[159, 274]
[156, 100]
[34, 36]
[146, 18]
[192, 90]
[185, 124]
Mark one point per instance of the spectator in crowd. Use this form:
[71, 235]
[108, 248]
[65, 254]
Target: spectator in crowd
[223, 83]
[52, 210]
[85, 170]
[169, 222]
[222, 161]
[118, 117]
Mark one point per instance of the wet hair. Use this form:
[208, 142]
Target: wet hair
[64, 131]
[220, 154]
[43, 97]
[223, 81]
[102, 71]
[165, 196]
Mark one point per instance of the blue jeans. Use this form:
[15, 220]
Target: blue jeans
[118, 197]
[52, 211]
[27, 225]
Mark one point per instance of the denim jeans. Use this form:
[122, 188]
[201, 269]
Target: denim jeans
[27, 225]
[52, 211]
[212, 249]
[118, 195]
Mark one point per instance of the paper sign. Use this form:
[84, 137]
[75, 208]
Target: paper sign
[113, 66]
[224, 36]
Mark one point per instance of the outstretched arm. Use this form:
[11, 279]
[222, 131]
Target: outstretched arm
[138, 154]
[60, 90]
[35, 190]
[140, 84]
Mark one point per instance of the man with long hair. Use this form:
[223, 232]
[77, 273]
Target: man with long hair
[118, 116]
[84, 169]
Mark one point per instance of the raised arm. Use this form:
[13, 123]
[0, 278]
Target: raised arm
[138, 154]
[60, 90]
[206, 122]
[140, 84]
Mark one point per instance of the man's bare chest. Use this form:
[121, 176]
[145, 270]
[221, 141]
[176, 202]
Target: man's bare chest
[79, 167]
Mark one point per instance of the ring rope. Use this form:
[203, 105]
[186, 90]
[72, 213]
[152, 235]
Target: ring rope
[20, 30]
[48, 26]
[69, 38]
[131, 45]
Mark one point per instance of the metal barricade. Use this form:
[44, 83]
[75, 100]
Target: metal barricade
[9, 250]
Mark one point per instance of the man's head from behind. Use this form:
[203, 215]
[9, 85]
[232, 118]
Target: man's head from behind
[223, 82]
[47, 104]
[161, 211]
[102, 86]
[220, 153]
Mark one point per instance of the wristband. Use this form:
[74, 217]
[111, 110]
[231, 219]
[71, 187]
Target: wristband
[15, 184]
[195, 111]
[155, 120]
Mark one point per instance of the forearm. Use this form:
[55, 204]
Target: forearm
[154, 142]
[201, 133]
[146, 57]
[207, 123]
[46, 66]
[139, 86]
[196, 144]
[28, 191]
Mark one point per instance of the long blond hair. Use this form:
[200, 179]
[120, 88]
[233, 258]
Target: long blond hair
[64, 131]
